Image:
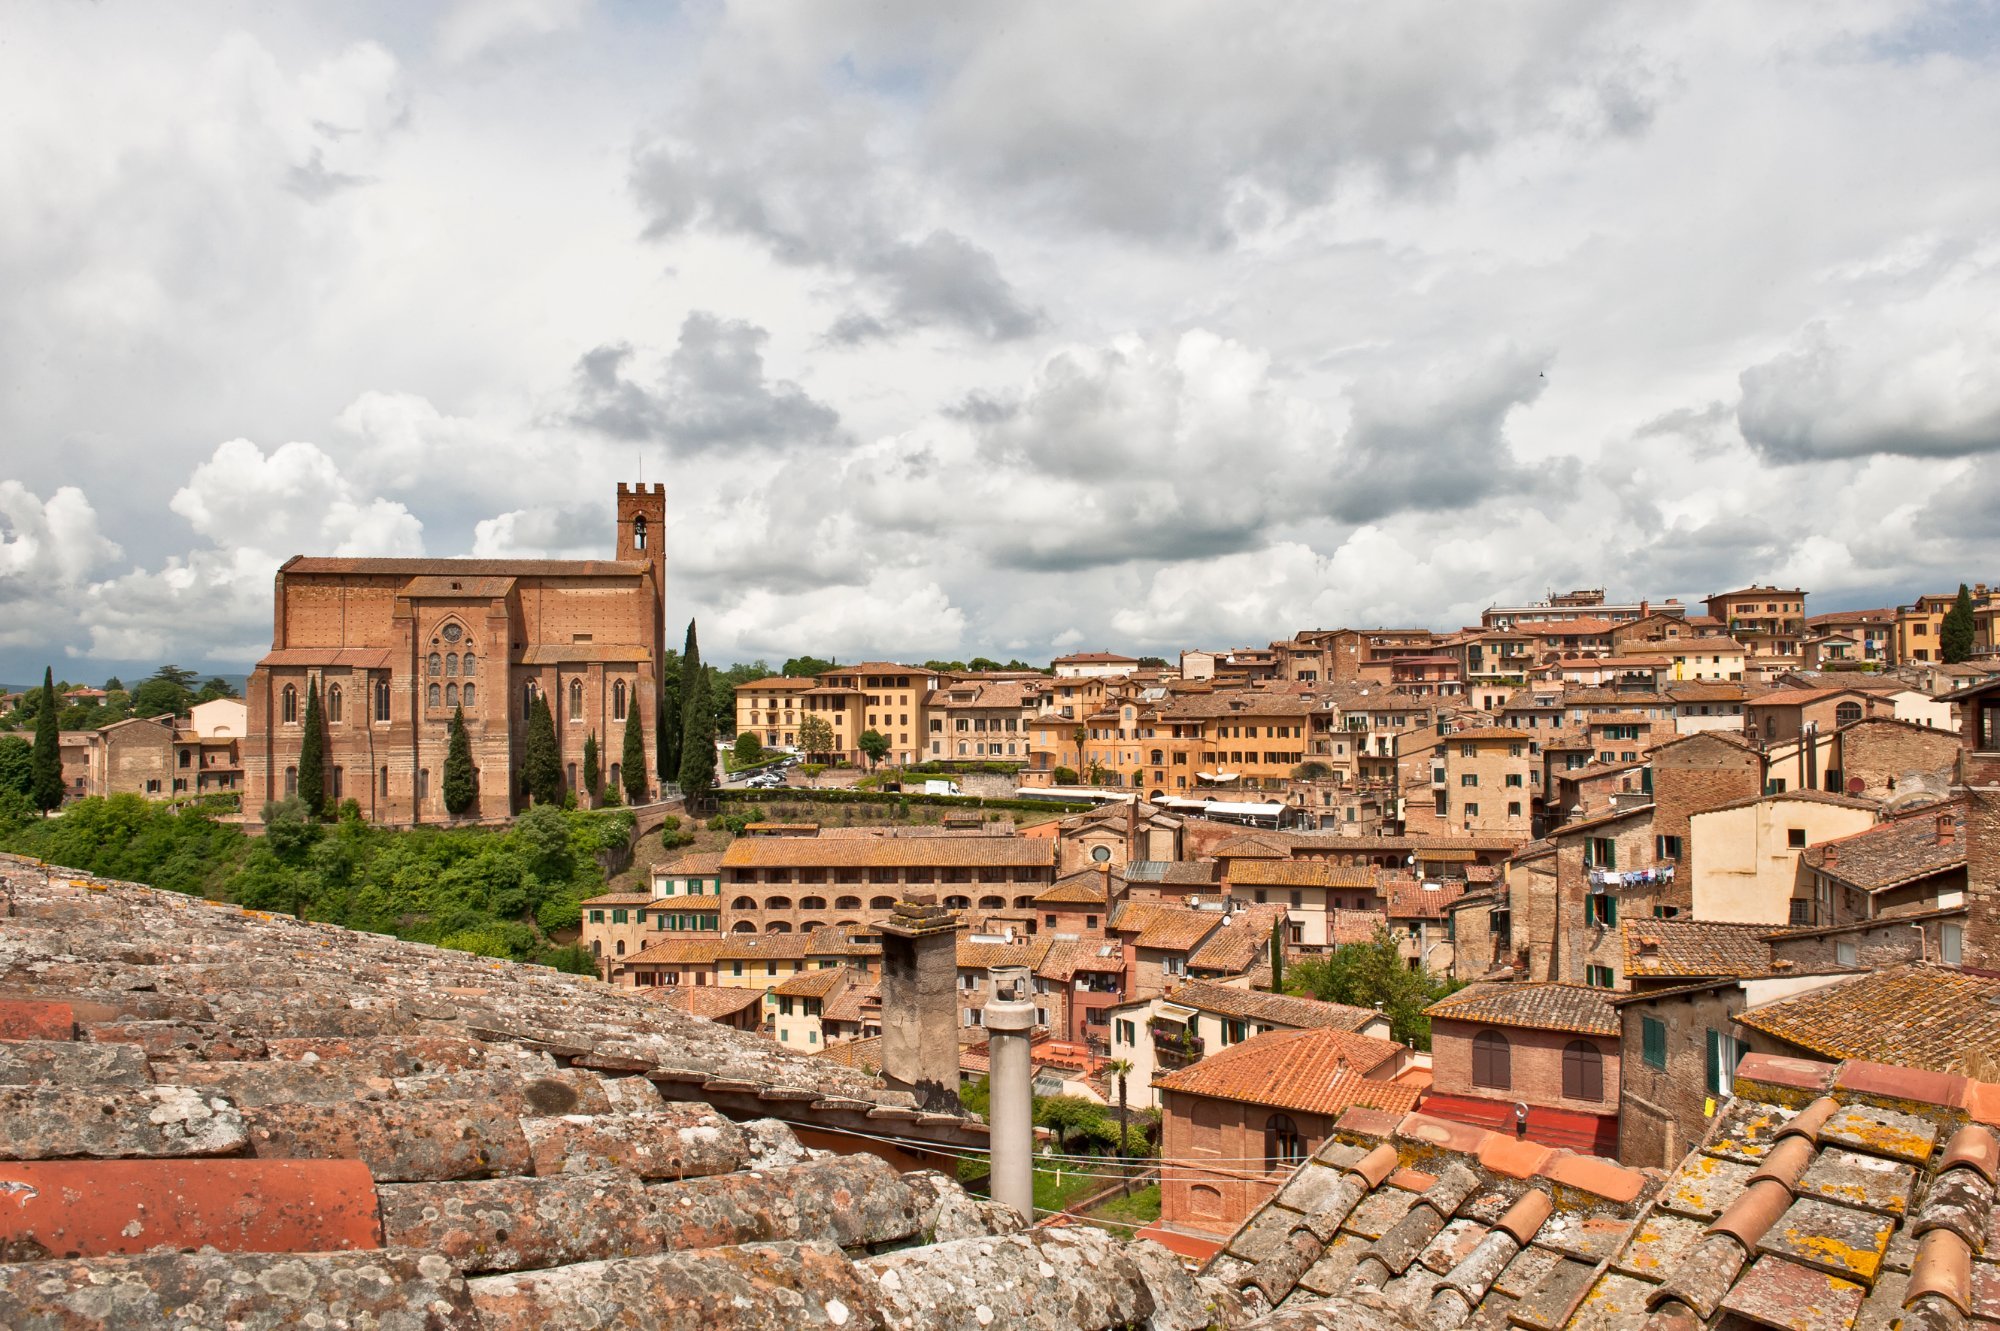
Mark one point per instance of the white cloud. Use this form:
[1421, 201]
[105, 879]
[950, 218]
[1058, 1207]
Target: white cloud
[896, 612]
[293, 501]
[474, 28]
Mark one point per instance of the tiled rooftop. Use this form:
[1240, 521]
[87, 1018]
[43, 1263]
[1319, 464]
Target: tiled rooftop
[889, 852]
[1920, 1015]
[1681, 949]
[1241, 940]
[1319, 1071]
[1302, 873]
[1275, 1009]
[211, 1117]
[1903, 850]
[1541, 1007]
[1824, 1198]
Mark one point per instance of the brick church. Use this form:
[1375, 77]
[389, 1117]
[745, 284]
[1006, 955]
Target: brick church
[395, 645]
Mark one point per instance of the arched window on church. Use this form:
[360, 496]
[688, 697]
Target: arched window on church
[468, 694]
[451, 664]
[469, 672]
[382, 700]
[288, 705]
[576, 700]
[528, 701]
[618, 700]
[451, 695]
[434, 695]
[333, 707]
[437, 664]
[638, 533]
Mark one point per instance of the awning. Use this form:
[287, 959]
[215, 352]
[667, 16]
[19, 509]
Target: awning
[1175, 1012]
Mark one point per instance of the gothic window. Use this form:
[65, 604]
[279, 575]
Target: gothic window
[382, 701]
[638, 533]
[423, 784]
[1283, 1146]
[528, 701]
[617, 775]
[385, 783]
[434, 695]
[288, 705]
[618, 701]
[451, 664]
[450, 695]
[469, 663]
[468, 694]
[291, 782]
[333, 708]
[437, 664]
[576, 700]
[452, 632]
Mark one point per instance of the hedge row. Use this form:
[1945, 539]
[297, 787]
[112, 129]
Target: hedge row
[791, 793]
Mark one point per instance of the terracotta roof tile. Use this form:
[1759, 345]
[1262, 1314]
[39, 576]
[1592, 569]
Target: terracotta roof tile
[1891, 854]
[1271, 1009]
[1172, 929]
[1690, 949]
[1318, 1071]
[889, 852]
[1302, 873]
[1239, 941]
[1917, 1015]
[1545, 1007]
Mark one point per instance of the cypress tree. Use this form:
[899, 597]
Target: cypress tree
[541, 766]
[1278, 955]
[633, 760]
[47, 758]
[1957, 630]
[697, 771]
[312, 757]
[593, 779]
[667, 722]
[460, 789]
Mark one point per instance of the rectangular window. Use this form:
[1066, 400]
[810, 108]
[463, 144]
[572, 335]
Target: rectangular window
[1514, 779]
[1653, 1042]
[1127, 1032]
[1513, 808]
[1795, 838]
[1472, 811]
[1600, 852]
[618, 916]
[735, 968]
[1599, 977]
[1719, 1071]
[1666, 848]
[1600, 910]
[597, 917]
[1469, 779]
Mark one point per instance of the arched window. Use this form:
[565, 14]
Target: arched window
[1204, 1200]
[468, 663]
[618, 700]
[1583, 1071]
[777, 927]
[617, 775]
[432, 696]
[958, 903]
[807, 926]
[879, 903]
[778, 903]
[992, 903]
[528, 701]
[381, 700]
[467, 695]
[451, 664]
[1492, 1061]
[288, 705]
[1024, 903]
[450, 695]
[1157, 758]
[638, 533]
[1847, 714]
[437, 664]
[333, 707]
[743, 903]
[576, 700]
[812, 903]
[743, 927]
[1283, 1148]
[291, 782]
[847, 903]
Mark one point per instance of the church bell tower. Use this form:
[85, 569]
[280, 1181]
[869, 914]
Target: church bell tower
[642, 528]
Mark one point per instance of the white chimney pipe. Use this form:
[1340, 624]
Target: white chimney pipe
[1010, 1019]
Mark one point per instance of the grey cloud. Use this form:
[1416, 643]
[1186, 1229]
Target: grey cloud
[712, 393]
[1823, 400]
[314, 181]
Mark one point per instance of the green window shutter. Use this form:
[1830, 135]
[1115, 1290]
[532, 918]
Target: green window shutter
[1653, 1036]
[1610, 911]
[1712, 1063]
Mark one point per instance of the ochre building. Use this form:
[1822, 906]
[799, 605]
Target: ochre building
[395, 645]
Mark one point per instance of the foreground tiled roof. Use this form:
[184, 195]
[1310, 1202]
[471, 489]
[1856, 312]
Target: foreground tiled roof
[1922, 1015]
[1541, 1007]
[712, 1001]
[215, 1118]
[1317, 1071]
[1273, 1009]
[1823, 1198]
[1694, 949]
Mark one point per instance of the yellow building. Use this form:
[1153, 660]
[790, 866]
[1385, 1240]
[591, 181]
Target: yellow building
[876, 695]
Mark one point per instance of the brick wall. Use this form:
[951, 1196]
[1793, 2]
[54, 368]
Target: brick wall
[1579, 944]
[1886, 944]
[1216, 1199]
[1536, 1059]
[1660, 1109]
[1692, 777]
[1982, 887]
[1884, 754]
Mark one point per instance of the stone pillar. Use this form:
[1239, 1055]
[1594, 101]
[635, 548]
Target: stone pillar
[920, 1001]
[1010, 1023]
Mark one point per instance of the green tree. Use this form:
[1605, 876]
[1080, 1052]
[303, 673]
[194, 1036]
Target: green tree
[461, 786]
[632, 760]
[805, 667]
[593, 775]
[17, 764]
[1278, 955]
[667, 719]
[217, 687]
[1121, 1068]
[697, 772]
[748, 750]
[875, 745]
[1374, 974]
[1077, 737]
[1065, 776]
[48, 778]
[312, 756]
[815, 736]
[1956, 633]
[983, 663]
[114, 685]
[167, 693]
[290, 830]
[541, 762]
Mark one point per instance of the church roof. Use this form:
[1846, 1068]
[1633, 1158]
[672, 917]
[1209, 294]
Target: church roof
[468, 568]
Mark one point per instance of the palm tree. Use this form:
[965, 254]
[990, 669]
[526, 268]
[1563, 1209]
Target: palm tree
[1120, 1068]
[1078, 736]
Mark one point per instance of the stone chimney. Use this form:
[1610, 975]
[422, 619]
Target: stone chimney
[920, 1001]
[1947, 828]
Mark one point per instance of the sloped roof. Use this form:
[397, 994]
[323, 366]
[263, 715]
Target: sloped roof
[1239, 941]
[1317, 1071]
[1694, 949]
[1918, 1015]
[1085, 887]
[888, 852]
[710, 1001]
[1889, 855]
[1541, 1007]
[1172, 929]
[1227, 1000]
[1303, 873]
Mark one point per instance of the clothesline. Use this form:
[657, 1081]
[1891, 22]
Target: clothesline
[1632, 877]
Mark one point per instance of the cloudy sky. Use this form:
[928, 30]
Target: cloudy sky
[994, 328]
